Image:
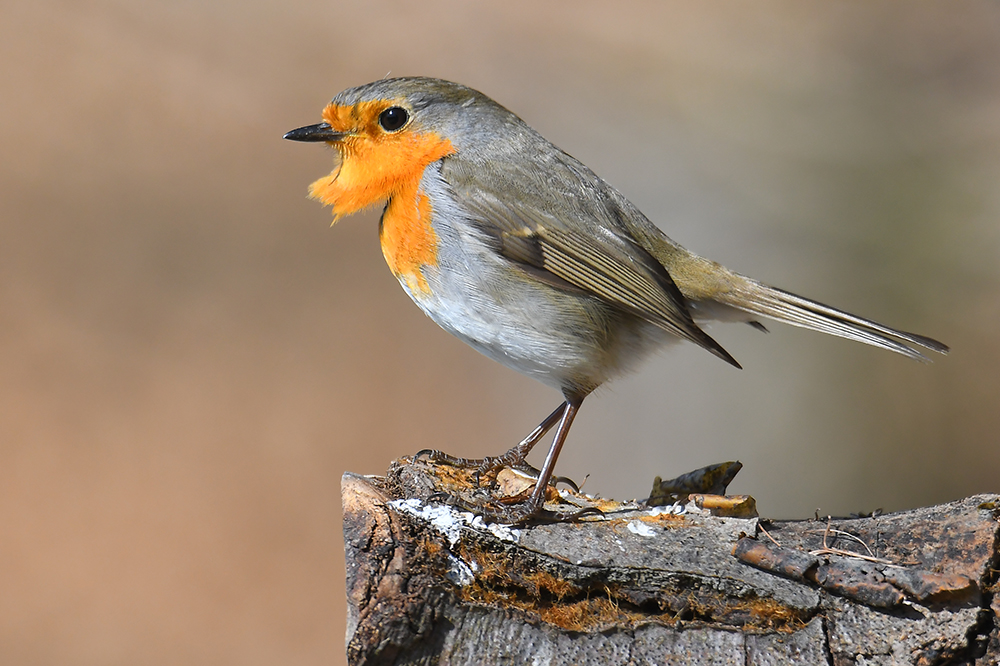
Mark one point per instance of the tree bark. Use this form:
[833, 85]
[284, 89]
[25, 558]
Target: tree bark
[431, 584]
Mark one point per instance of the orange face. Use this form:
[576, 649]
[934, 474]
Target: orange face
[374, 165]
[377, 166]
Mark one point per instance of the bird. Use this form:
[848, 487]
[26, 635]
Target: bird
[520, 250]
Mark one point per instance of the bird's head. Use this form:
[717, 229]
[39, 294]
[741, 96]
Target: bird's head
[387, 132]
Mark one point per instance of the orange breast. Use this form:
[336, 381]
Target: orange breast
[375, 167]
[408, 239]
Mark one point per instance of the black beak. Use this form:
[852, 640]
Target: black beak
[320, 132]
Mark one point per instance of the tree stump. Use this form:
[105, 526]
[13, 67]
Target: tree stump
[431, 584]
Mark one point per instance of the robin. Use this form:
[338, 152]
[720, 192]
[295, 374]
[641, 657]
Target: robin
[520, 250]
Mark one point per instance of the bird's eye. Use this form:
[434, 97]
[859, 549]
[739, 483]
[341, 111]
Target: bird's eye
[393, 118]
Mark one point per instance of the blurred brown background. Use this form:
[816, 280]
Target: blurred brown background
[190, 357]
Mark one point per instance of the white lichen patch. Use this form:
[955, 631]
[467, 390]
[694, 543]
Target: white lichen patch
[459, 572]
[640, 528]
[449, 521]
[675, 509]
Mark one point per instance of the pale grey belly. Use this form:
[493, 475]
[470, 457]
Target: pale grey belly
[564, 339]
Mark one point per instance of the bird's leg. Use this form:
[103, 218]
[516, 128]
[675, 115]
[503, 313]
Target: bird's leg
[523, 507]
[534, 504]
[514, 458]
[533, 507]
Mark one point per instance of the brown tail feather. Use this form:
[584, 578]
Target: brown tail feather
[759, 299]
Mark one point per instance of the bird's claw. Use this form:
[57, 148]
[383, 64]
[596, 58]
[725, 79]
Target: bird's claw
[491, 466]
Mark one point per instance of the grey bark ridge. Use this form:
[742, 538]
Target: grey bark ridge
[429, 584]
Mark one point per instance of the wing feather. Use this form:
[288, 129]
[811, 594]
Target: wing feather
[589, 251]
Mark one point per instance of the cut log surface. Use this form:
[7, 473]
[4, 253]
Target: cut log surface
[431, 584]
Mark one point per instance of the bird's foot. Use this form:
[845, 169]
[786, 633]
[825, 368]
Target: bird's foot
[487, 467]
[490, 466]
